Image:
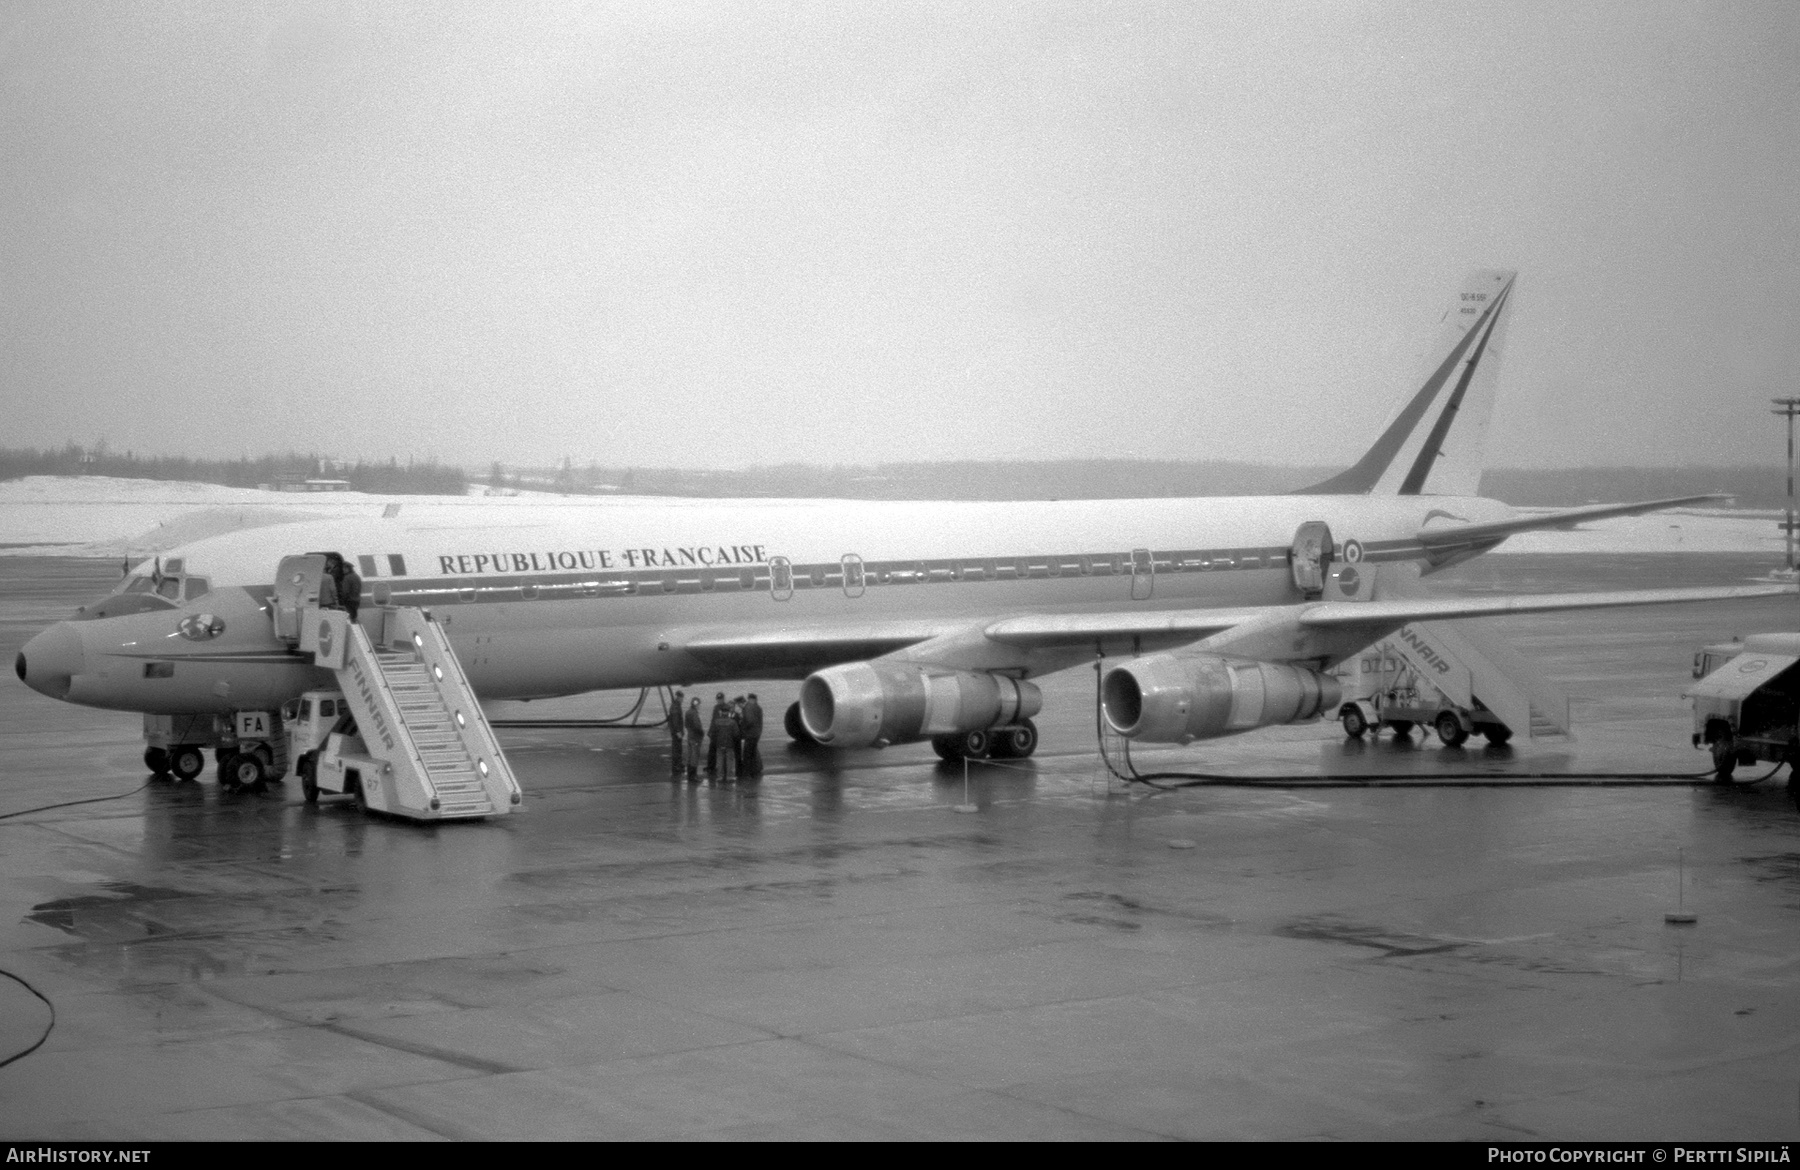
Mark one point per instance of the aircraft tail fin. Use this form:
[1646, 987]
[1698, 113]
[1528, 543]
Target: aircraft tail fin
[1437, 436]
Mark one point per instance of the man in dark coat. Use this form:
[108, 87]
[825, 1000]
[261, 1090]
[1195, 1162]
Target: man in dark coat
[675, 721]
[696, 735]
[750, 724]
[721, 715]
[350, 589]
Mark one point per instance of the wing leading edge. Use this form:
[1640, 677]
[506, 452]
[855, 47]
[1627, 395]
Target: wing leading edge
[1275, 631]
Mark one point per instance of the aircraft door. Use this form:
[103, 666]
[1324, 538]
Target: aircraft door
[781, 578]
[853, 575]
[1310, 557]
[296, 587]
[1143, 574]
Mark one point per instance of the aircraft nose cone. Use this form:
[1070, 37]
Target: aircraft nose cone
[49, 661]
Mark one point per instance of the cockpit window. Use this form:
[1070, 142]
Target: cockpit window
[138, 585]
[169, 587]
[196, 586]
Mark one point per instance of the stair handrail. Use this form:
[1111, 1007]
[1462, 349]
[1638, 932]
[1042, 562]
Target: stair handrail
[359, 641]
[476, 726]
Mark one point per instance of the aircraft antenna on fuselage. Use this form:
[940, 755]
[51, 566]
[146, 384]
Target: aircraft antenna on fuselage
[1436, 437]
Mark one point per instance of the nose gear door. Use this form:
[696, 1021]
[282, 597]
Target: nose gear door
[1310, 557]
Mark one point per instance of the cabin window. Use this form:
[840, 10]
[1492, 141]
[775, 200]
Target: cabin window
[669, 585]
[305, 709]
[706, 582]
[327, 709]
[747, 579]
[528, 590]
[466, 593]
[397, 564]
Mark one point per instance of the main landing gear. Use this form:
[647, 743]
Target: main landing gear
[1015, 741]
[185, 761]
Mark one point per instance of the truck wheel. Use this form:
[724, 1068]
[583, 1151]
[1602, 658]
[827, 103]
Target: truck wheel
[1497, 733]
[157, 760]
[246, 770]
[1724, 755]
[186, 761]
[1355, 726]
[308, 767]
[1449, 729]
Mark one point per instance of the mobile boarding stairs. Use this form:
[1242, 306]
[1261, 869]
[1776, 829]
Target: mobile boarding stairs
[1456, 677]
[420, 747]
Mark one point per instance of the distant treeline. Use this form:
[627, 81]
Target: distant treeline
[1754, 487]
[412, 478]
[1046, 479]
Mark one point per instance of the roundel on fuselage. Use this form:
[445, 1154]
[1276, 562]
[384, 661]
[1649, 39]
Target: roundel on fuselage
[199, 627]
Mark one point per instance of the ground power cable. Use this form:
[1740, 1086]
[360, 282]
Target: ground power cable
[1181, 780]
[48, 1028]
[72, 803]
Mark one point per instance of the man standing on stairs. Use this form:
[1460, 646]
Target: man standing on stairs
[350, 589]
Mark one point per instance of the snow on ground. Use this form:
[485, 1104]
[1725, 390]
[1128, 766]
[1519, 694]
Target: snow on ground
[103, 516]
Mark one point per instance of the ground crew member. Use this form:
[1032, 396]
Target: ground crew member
[750, 727]
[721, 715]
[696, 735]
[675, 745]
[728, 747]
[350, 589]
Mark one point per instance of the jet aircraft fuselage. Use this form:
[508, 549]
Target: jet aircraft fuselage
[543, 600]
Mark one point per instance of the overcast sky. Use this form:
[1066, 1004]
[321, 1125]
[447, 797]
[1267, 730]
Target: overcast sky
[683, 233]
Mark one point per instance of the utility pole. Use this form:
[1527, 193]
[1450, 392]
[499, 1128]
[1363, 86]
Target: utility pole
[1788, 407]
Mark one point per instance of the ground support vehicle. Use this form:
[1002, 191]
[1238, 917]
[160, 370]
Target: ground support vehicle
[1747, 703]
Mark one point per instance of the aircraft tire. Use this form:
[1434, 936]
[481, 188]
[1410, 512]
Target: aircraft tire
[246, 770]
[1015, 742]
[186, 761]
[157, 760]
[1355, 726]
[1450, 729]
[945, 747]
[1497, 733]
[1401, 727]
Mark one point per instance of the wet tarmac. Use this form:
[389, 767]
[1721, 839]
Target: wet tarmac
[835, 953]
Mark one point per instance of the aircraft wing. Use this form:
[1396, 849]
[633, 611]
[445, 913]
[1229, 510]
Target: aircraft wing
[1400, 611]
[781, 648]
[1457, 537]
[1254, 631]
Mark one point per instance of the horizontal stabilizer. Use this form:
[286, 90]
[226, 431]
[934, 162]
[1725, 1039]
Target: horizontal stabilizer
[1457, 537]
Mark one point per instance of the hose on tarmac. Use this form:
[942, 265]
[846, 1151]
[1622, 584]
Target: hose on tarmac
[24, 1052]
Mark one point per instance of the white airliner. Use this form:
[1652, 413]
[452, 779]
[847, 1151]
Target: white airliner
[907, 621]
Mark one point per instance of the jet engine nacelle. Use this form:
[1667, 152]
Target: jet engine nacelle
[1170, 698]
[862, 703]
